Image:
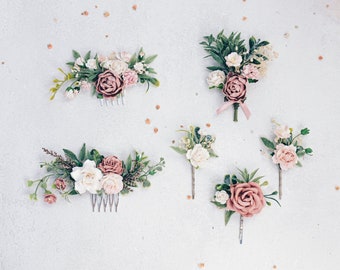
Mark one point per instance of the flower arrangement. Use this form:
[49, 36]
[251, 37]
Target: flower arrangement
[197, 148]
[286, 149]
[104, 177]
[242, 195]
[109, 77]
[235, 67]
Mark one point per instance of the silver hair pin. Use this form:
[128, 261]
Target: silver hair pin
[241, 229]
[104, 201]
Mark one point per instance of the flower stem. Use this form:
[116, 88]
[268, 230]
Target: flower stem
[280, 182]
[236, 105]
[241, 230]
[192, 182]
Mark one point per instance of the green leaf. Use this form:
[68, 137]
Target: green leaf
[128, 163]
[227, 216]
[304, 131]
[299, 164]
[179, 150]
[146, 183]
[263, 43]
[218, 204]
[213, 68]
[252, 42]
[73, 192]
[227, 179]
[82, 153]
[33, 197]
[87, 56]
[72, 156]
[154, 81]
[75, 54]
[253, 174]
[150, 59]
[268, 143]
[308, 150]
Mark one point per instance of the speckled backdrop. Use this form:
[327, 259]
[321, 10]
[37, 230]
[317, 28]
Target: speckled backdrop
[159, 228]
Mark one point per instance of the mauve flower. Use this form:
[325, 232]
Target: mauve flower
[112, 183]
[108, 84]
[235, 88]
[286, 156]
[130, 77]
[251, 72]
[60, 184]
[111, 164]
[50, 198]
[233, 59]
[246, 199]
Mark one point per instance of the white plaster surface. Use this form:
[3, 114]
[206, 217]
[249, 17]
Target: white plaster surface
[159, 228]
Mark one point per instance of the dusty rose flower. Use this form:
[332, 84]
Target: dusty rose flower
[285, 156]
[111, 164]
[251, 72]
[50, 198]
[130, 77]
[112, 183]
[235, 88]
[246, 199]
[60, 184]
[109, 84]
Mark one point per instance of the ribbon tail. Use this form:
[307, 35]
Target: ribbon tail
[225, 106]
[245, 110]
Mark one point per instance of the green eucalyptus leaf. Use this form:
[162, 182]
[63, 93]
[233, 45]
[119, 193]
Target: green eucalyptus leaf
[82, 153]
[71, 155]
[268, 143]
[179, 150]
[146, 183]
[227, 216]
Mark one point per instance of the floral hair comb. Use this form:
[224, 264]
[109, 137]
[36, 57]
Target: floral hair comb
[103, 177]
[197, 147]
[109, 77]
[235, 67]
[242, 195]
[286, 149]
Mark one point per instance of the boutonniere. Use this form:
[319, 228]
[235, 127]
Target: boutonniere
[104, 177]
[235, 67]
[197, 148]
[242, 195]
[286, 149]
[108, 76]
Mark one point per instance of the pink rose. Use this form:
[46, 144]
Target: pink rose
[60, 184]
[111, 164]
[50, 198]
[235, 88]
[130, 77]
[251, 72]
[246, 199]
[108, 84]
[285, 156]
[112, 183]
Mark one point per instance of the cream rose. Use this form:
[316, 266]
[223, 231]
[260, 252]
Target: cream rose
[198, 155]
[285, 156]
[91, 64]
[221, 197]
[112, 183]
[139, 67]
[87, 178]
[80, 61]
[216, 78]
[233, 59]
[282, 132]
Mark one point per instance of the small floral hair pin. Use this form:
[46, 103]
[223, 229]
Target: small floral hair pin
[286, 149]
[103, 177]
[236, 66]
[242, 195]
[197, 148]
[108, 77]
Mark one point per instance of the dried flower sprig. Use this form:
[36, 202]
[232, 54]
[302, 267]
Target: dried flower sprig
[242, 195]
[109, 76]
[198, 148]
[236, 66]
[286, 149]
[89, 171]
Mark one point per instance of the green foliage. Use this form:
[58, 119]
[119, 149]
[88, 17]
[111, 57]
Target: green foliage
[227, 216]
[268, 143]
[304, 131]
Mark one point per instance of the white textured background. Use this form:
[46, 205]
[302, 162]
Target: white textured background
[160, 228]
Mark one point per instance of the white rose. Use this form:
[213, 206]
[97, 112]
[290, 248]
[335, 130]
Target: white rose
[215, 78]
[91, 64]
[282, 132]
[221, 196]
[80, 61]
[233, 59]
[139, 67]
[118, 67]
[198, 155]
[87, 177]
[112, 183]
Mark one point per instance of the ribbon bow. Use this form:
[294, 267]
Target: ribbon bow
[227, 104]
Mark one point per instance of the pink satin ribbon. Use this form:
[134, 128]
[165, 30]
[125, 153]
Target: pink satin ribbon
[243, 106]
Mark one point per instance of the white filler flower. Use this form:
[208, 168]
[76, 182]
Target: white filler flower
[198, 155]
[221, 196]
[216, 78]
